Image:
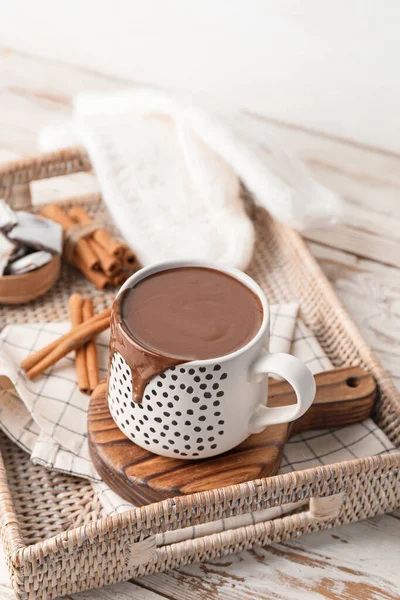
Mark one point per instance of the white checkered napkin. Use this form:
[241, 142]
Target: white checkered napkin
[47, 417]
[282, 326]
[306, 347]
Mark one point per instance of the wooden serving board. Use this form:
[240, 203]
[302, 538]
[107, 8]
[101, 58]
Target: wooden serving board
[344, 396]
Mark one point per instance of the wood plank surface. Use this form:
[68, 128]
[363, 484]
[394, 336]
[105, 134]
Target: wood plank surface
[359, 561]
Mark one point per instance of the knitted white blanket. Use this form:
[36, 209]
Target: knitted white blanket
[170, 173]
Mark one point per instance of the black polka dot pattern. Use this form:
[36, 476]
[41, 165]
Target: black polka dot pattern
[182, 411]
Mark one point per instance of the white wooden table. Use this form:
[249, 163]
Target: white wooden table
[362, 260]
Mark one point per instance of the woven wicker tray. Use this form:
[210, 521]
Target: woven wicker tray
[56, 539]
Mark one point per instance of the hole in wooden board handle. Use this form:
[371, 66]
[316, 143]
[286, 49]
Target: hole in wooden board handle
[353, 382]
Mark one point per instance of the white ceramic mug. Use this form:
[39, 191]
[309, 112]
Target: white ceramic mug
[205, 407]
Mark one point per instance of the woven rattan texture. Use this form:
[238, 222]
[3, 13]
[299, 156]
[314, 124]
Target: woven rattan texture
[74, 550]
[45, 502]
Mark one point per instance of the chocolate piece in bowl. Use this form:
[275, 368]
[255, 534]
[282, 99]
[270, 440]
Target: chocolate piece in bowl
[38, 232]
[30, 262]
[20, 251]
[8, 218]
[6, 251]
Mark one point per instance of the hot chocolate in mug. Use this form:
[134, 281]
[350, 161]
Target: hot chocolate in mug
[198, 408]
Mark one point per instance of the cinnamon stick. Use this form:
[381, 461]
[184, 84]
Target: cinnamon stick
[83, 250]
[92, 366]
[101, 236]
[77, 316]
[119, 278]
[129, 258]
[78, 336]
[75, 339]
[108, 262]
[97, 277]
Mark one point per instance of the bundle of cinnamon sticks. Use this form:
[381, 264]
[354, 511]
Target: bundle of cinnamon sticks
[85, 327]
[90, 248]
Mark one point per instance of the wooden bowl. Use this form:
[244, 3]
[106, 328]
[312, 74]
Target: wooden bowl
[20, 289]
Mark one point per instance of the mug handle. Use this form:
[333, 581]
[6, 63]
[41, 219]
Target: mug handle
[300, 378]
